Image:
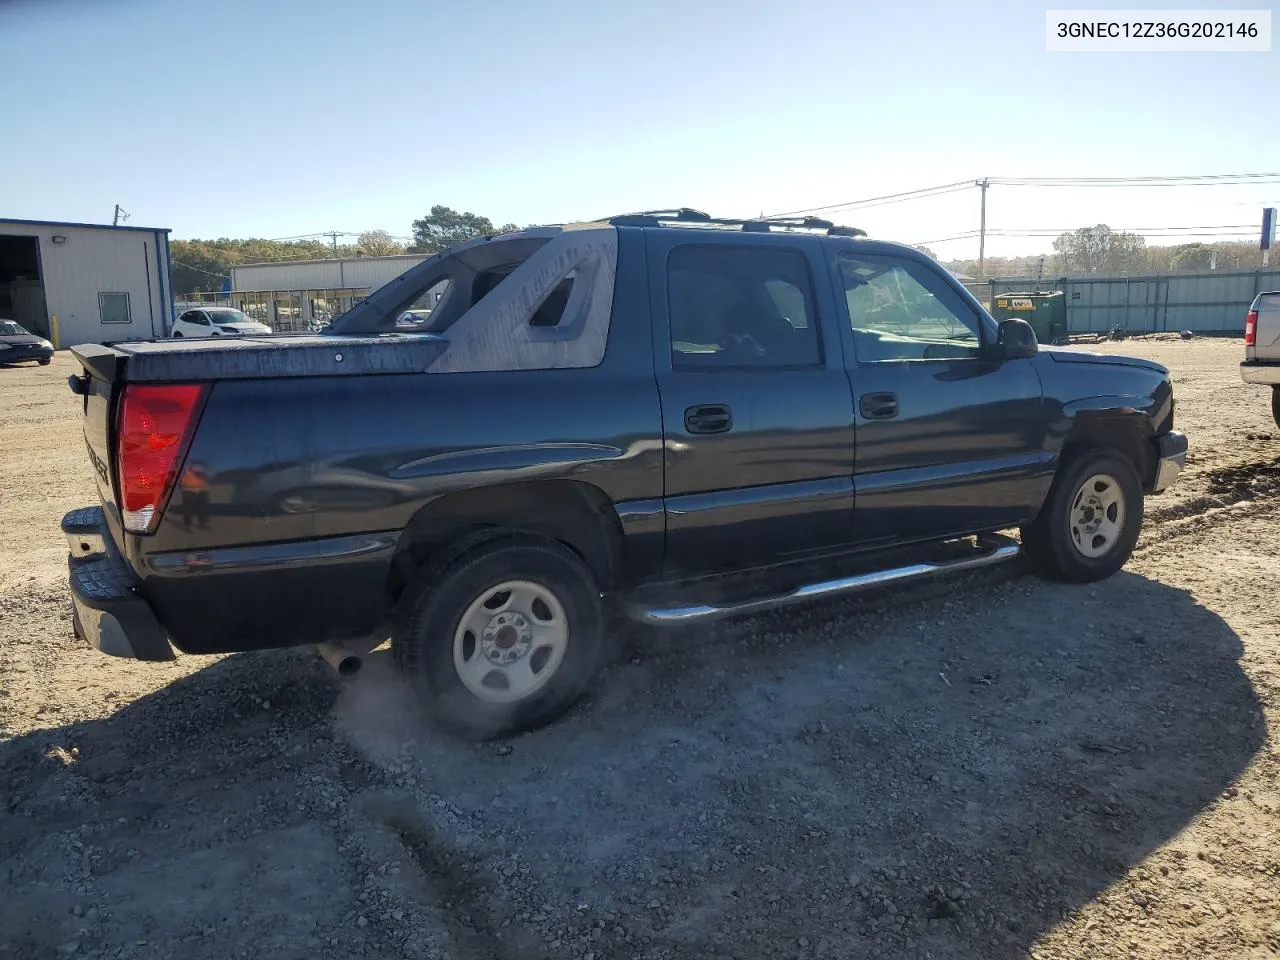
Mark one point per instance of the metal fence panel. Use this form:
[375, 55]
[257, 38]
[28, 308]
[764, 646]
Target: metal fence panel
[1202, 302]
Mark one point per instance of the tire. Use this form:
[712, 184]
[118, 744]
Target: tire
[177, 333]
[1074, 541]
[474, 627]
[1275, 405]
[45, 361]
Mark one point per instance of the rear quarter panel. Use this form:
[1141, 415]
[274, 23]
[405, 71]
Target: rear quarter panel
[351, 460]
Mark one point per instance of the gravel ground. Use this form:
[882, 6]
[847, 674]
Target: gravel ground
[991, 766]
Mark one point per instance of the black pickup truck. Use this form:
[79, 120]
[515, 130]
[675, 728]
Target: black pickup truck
[662, 416]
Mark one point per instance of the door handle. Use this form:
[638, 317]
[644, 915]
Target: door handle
[878, 406]
[708, 418]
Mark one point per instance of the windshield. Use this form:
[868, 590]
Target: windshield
[10, 329]
[230, 316]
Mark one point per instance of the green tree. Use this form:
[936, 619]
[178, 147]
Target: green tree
[926, 251]
[1191, 256]
[197, 267]
[203, 265]
[443, 227]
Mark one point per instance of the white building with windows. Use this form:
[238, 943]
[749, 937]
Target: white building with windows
[292, 295]
[84, 282]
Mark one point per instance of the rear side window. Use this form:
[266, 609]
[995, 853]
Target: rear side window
[418, 314]
[739, 306]
[549, 313]
[1268, 301]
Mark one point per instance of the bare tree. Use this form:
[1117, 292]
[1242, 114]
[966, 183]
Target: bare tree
[378, 243]
[1100, 250]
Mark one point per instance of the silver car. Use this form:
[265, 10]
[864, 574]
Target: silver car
[1262, 346]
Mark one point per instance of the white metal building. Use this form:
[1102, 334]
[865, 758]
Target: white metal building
[84, 282]
[297, 294]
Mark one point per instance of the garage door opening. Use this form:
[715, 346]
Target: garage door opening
[21, 285]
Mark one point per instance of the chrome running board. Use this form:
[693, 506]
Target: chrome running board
[999, 549]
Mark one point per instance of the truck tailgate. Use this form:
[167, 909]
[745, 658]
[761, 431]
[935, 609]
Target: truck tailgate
[96, 392]
[1267, 340]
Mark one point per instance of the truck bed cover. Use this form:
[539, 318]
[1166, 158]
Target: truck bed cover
[258, 357]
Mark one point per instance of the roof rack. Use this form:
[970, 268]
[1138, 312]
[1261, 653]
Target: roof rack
[691, 217]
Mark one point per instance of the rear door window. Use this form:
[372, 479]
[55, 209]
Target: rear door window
[739, 306]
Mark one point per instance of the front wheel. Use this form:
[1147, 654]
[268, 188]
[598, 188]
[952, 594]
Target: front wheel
[1090, 523]
[45, 361]
[1275, 405]
[501, 637]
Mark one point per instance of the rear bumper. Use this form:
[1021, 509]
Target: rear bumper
[1254, 371]
[110, 613]
[1171, 457]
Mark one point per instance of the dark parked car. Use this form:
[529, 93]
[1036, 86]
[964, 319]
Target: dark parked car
[19, 345]
[662, 417]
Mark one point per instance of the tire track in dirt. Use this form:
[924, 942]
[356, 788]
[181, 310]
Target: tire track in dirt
[1232, 489]
[459, 891]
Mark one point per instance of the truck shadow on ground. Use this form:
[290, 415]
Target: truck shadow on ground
[946, 771]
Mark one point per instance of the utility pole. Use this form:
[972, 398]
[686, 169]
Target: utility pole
[120, 213]
[333, 241]
[982, 228]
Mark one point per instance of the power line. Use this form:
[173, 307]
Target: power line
[967, 235]
[198, 270]
[1203, 180]
[1186, 180]
[1221, 230]
[1181, 180]
[878, 201]
[1013, 231]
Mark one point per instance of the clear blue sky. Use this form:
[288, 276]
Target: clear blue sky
[281, 117]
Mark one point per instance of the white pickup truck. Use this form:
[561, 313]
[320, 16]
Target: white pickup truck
[1262, 346]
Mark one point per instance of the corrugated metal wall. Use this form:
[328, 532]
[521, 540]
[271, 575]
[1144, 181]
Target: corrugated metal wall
[92, 260]
[1213, 302]
[354, 273]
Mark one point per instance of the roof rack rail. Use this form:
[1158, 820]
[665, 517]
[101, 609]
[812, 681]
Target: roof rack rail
[654, 218]
[687, 215]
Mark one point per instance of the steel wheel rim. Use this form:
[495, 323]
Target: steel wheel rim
[1096, 519]
[510, 641]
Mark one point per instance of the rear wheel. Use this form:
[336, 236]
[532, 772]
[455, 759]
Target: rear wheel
[1090, 523]
[45, 361]
[1275, 405]
[503, 635]
[177, 333]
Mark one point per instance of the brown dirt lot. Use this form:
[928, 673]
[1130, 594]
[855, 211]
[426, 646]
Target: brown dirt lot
[994, 766]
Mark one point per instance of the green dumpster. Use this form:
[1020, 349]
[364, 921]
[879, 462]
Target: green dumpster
[1045, 311]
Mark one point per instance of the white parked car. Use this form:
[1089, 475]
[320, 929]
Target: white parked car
[217, 322]
[413, 319]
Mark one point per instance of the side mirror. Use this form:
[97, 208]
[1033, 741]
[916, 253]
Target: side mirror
[1016, 340]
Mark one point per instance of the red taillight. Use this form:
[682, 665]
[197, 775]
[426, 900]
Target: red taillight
[154, 426]
[1251, 328]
